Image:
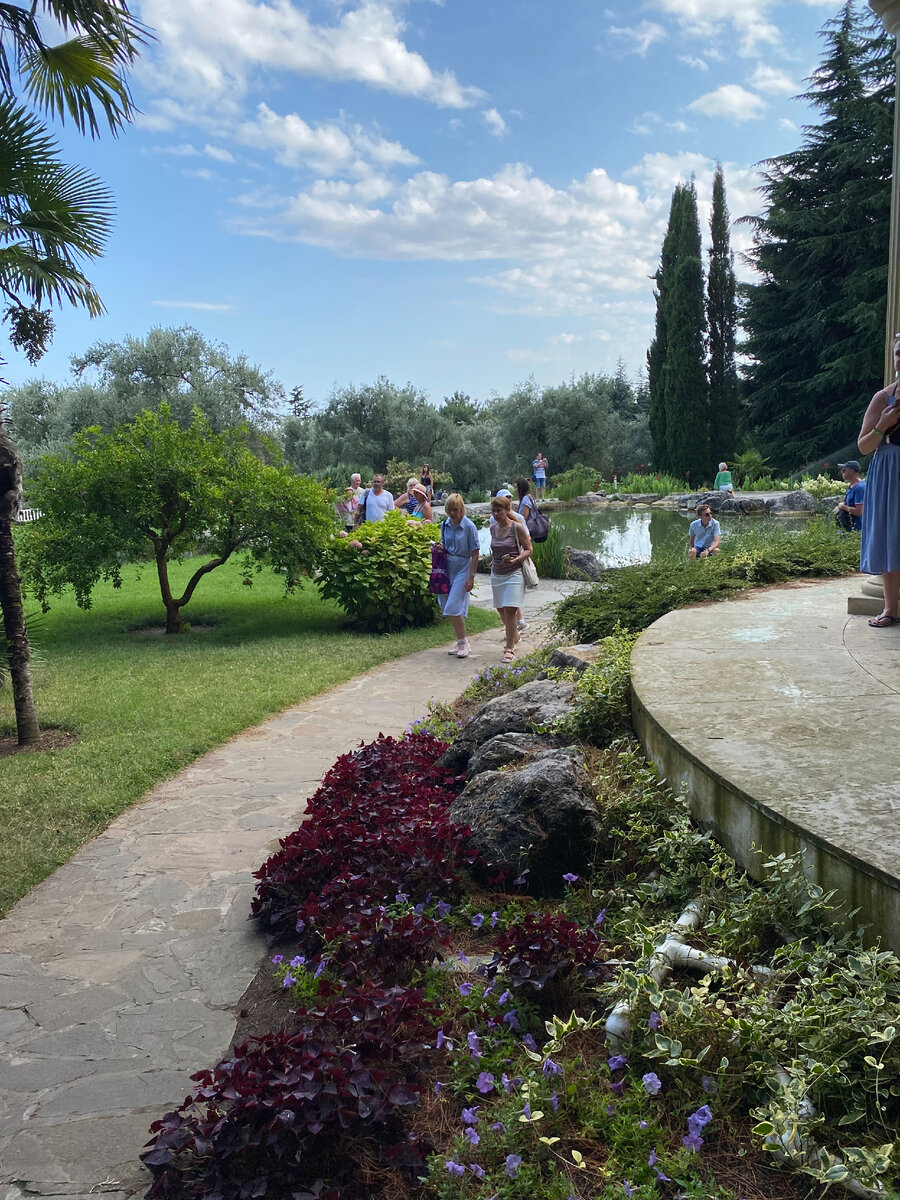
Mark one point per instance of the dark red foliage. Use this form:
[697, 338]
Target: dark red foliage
[542, 950]
[268, 1120]
[374, 943]
[378, 826]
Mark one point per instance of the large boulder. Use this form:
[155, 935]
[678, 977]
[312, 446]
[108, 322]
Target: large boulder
[543, 817]
[508, 748]
[533, 704]
[582, 564]
[793, 502]
[577, 658]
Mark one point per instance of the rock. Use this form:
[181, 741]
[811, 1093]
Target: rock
[582, 564]
[577, 658]
[794, 502]
[508, 748]
[537, 703]
[543, 816]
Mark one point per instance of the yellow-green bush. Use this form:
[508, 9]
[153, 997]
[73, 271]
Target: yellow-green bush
[379, 575]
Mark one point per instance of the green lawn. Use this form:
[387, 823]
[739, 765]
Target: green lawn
[142, 707]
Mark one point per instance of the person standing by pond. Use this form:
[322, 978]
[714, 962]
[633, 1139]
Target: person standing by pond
[848, 513]
[880, 546]
[510, 546]
[540, 466]
[706, 534]
[459, 538]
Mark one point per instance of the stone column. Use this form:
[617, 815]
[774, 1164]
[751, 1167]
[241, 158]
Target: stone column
[889, 12]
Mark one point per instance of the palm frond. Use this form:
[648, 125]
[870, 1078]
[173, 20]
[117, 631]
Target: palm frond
[47, 278]
[76, 78]
[21, 29]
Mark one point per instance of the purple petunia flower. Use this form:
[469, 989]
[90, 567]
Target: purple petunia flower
[465, 989]
[700, 1119]
[472, 1135]
[618, 1089]
[301, 925]
[601, 917]
[529, 1041]
[438, 1088]
[643, 1125]
[512, 1021]
[277, 959]
[485, 1083]
[455, 1168]
[610, 1110]
[652, 1083]
[477, 1171]
[654, 1021]
[652, 1159]
[693, 1141]
[298, 960]
[495, 917]
[616, 1062]
[441, 1040]
[708, 1083]
[629, 1190]
[289, 980]
[570, 878]
[520, 880]
[470, 1115]
[442, 908]
[498, 1127]
[554, 1100]
[526, 1111]
[549, 1068]
[513, 1162]
[401, 897]
[320, 968]
[504, 998]
[478, 920]
[462, 958]
[473, 1042]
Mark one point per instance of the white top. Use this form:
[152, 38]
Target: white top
[377, 506]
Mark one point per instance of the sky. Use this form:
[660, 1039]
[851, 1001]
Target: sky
[454, 193]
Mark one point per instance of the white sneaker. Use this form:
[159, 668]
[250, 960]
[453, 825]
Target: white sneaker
[456, 649]
[464, 649]
[521, 626]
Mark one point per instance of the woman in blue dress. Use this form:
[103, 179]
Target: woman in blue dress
[880, 437]
[460, 539]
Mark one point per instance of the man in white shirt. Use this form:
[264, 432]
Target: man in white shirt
[706, 533]
[378, 501]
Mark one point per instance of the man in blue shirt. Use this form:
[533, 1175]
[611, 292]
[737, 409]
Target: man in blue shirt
[705, 534]
[849, 512]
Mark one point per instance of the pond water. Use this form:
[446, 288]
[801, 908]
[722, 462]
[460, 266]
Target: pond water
[628, 535]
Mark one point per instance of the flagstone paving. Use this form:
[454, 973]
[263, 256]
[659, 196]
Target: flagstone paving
[119, 973]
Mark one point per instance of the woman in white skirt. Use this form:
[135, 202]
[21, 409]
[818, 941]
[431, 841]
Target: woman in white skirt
[510, 546]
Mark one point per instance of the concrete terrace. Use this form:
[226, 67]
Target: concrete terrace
[779, 714]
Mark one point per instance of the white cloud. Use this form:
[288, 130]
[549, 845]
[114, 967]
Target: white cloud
[638, 39]
[772, 81]
[650, 122]
[698, 64]
[198, 305]
[710, 20]
[730, 101]
[327, 148]
[219, 153]
[208, 59]
[494, 122]
[182, 150]
[562, 249]
[565, 339]
[201, 173]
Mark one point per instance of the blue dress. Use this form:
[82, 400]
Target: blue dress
[459, 543]
[880, 545]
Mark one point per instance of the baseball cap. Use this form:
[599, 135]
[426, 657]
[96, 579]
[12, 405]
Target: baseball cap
[852, 465]
[505, 492]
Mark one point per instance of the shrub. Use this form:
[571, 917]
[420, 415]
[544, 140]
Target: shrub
[549, 557]
[379, 576]
[822, 486]
[662, 485]
[637, 596]
[602, 709]
[577, 481]
[272, 1119]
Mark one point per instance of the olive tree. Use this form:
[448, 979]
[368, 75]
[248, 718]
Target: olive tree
[153, 486]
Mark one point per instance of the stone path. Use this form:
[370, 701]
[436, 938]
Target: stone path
[119, 973]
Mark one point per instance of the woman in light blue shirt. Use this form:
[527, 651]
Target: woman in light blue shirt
[460, 539]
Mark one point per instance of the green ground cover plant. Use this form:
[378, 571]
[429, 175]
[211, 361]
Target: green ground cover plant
[634, 597]
[143, 706]
[662, 485]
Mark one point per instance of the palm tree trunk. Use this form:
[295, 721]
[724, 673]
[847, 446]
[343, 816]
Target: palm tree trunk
[17, 648]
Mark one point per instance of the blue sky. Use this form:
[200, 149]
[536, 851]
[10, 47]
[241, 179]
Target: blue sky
[457, 194]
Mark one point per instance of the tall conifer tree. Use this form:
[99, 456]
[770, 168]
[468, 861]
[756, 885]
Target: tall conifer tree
[721, 315]
[656, 355]
[815, 323]
[684, 383]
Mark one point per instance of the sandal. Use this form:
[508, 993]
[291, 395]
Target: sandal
[508, 656]
[884, 621]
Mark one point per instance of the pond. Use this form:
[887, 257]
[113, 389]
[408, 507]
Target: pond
[628, 535]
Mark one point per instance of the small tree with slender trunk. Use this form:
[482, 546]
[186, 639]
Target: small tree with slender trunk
[152, 486]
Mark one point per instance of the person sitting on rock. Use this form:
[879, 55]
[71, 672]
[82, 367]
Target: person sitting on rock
[723, 480]
[848, 513]
[706, 534]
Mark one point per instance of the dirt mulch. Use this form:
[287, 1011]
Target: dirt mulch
[51, 739]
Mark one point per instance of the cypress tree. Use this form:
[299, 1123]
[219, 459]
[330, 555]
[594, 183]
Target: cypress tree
[684, 383]
[656, 355]
[815, 323]
[721, 315]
